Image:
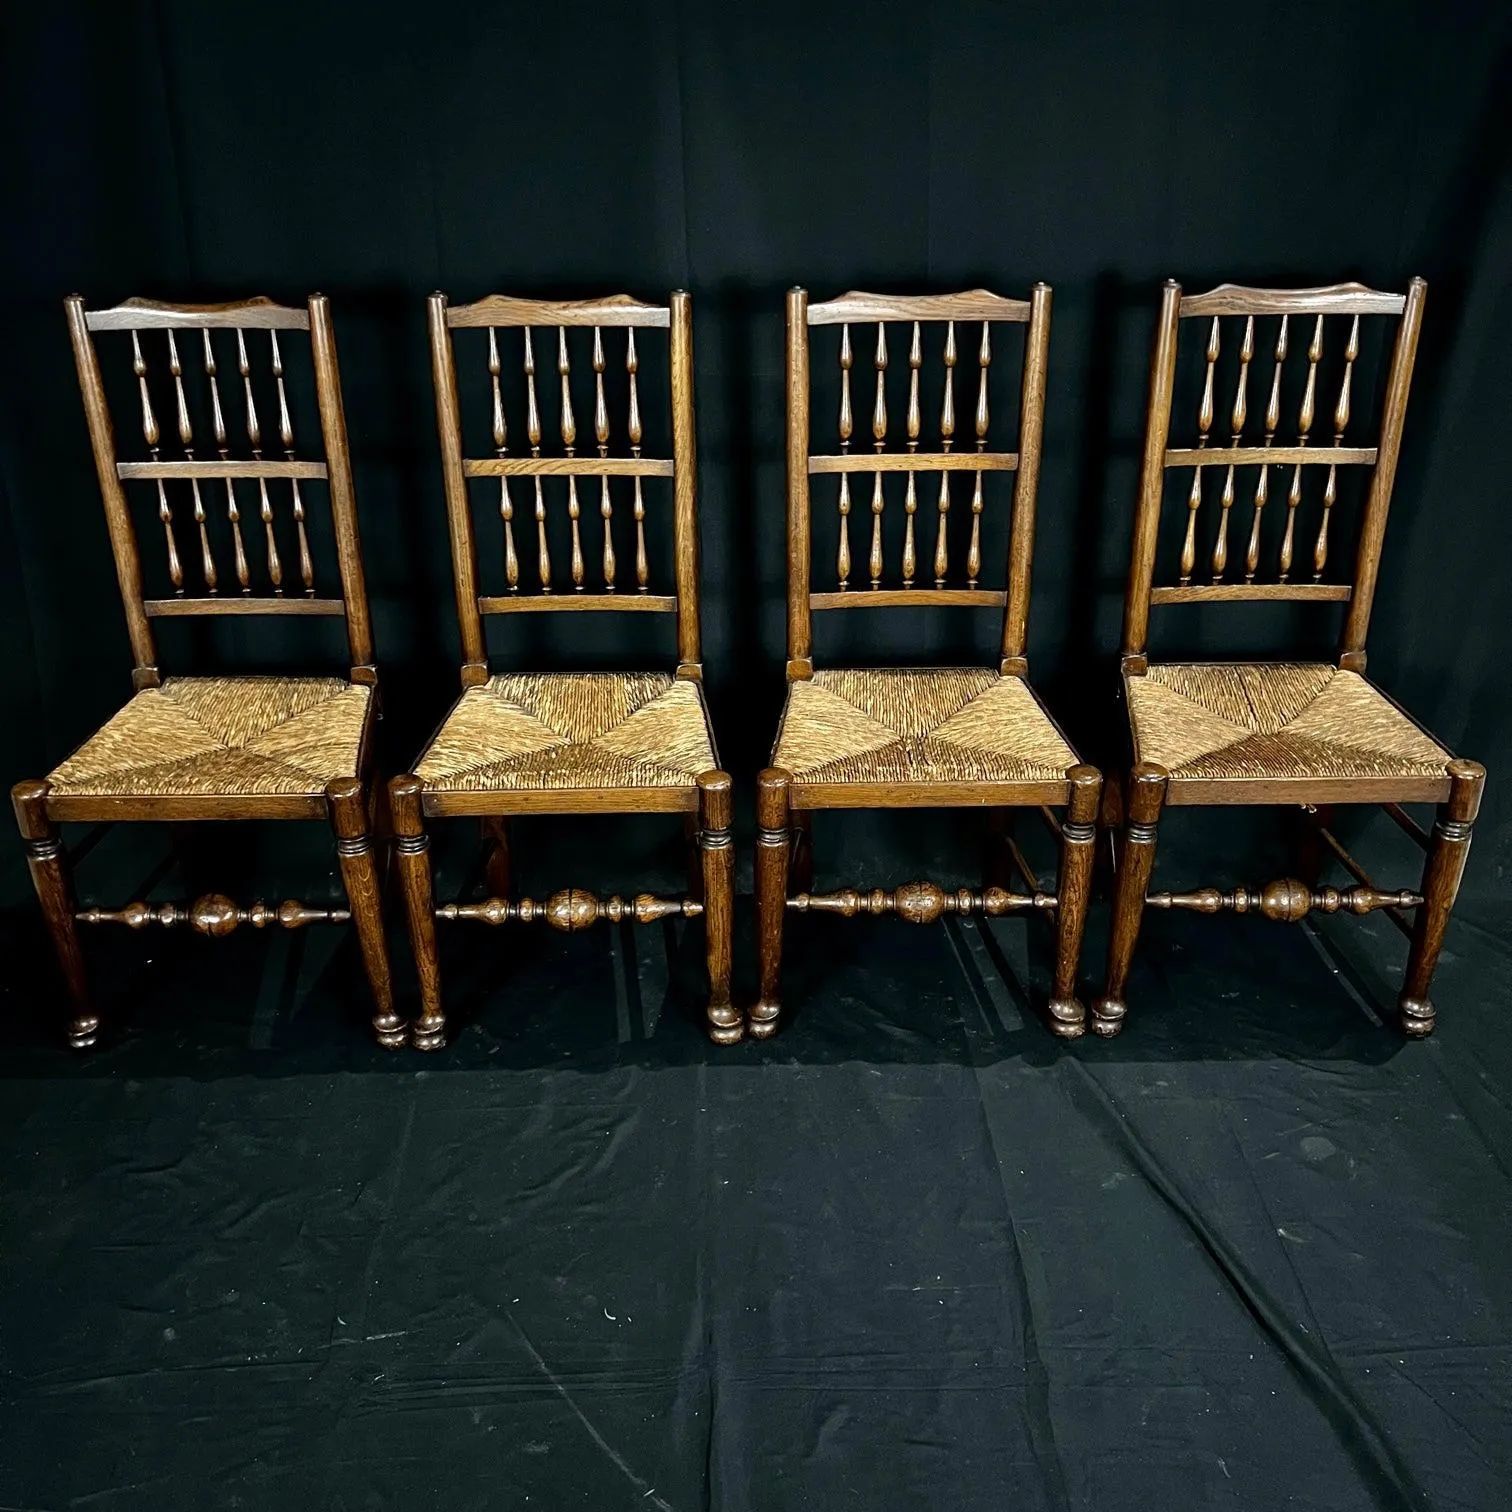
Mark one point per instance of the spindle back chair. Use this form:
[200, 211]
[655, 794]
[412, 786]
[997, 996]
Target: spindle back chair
[225, 747]
[1289, 732]
[918, 737]
[518, 743]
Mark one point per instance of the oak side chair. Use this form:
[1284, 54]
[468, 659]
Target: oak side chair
[227, 747]
[925, 737]
[569, 743]
[1279, 732]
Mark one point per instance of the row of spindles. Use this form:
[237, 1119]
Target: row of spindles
[569, 443]
[152, 435]
[913, 427]
[1238, 417]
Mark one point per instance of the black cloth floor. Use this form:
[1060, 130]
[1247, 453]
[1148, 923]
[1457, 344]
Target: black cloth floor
[913, 1253]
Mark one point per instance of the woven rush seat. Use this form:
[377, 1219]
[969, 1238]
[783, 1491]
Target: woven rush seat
[214, 737]
[918, 727]
[550, 732]
[1275, 720]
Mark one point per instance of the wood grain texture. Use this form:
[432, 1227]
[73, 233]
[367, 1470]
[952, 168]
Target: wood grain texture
[178, 608]
[412, 859]
[505, 310]
[246, 314]
[800, 661]
[1236, 593]
[1073, 896]
[973, 304]
[1136, 859]
[773, 860]
[725, 1022]
[1329, 299]
[910, 598]
[1255, 456]
[541, 603]
[914, 462]
[1026, 484]
[685, 489]
[347, 798]
[564, 467]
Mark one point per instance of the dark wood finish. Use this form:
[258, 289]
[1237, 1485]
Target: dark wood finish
[716, 812]
[929, 579]
[1301, 553]
[1073, 892]
[592, 582]
[359, 872]
[1235, 593]
[179, 608]
[1442, 872]
[47, 863]
[624, 603]
[911, 598]
[773, 858]
[412, 858]
[39, 809]
[1144, 799]
[497, 865]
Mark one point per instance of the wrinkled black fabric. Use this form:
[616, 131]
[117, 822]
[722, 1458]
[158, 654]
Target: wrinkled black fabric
[912, 1253]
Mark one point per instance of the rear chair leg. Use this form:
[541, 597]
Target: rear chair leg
[1073, 892]
[1441, 879]
[773, 859]
[49, 874]
[412, 853]
[359, 871]
[803, 851]
[1146, 798]
[497, 867]
[715, 811]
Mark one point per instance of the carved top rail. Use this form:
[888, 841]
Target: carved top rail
[1237, 430]
[973, 304]
[537, 339]
[204, 374]
[259, 313]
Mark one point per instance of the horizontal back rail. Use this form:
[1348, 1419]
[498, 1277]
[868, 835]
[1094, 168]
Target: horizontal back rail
[203, 469]
[504, 310]
[260, 314]
[1329, 299]
[924, 462]
[856, 307]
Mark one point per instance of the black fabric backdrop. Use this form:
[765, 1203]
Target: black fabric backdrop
[912, 1253]
[377, 152]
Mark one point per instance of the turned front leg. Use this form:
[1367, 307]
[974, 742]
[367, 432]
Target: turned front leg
[1073, 892]
[49, 873]
[715, 812]
[773, 858]
[1441, 880]
[359, 871]
[1145, 799]
[412, 855]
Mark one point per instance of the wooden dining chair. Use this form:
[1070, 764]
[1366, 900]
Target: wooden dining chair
[935, 737]
[569, 743]
[1309, 734]
[226, 747]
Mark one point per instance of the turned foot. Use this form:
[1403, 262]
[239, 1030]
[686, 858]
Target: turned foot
[1108, 1017]
[1419, 1018]
[1068, 1019]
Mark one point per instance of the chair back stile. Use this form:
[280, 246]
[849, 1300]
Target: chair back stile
[251, 587]
[1231, 570]
[941, 586]
[528, 554]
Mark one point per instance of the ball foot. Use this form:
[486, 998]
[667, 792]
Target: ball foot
[763, 1020]
[1108, 1018]
[428, 1036]
[1419, 1017]
[1068, 1019]
[83, 1032]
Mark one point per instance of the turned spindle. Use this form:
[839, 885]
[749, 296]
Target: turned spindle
[601, 437]
[1236, 425]
[186, 439]
[846, 426]
[533, 432]
[1262, 483]
[1341, 422]
[150, 434]
[254, 439]
[218, 425]
[286, 440]
[1204, 427]
[632, 368]
[1304, 428]
[501, 446]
